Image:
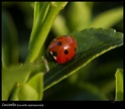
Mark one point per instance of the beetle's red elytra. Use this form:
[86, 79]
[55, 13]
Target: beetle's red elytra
[62, 49]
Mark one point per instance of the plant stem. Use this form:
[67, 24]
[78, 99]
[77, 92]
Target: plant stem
[43, 30]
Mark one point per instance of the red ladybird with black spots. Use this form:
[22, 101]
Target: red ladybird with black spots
[63, 49]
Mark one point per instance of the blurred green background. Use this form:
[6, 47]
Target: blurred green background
[98, 80]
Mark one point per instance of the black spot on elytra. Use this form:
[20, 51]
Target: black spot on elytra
[59, 43]
[66, 52]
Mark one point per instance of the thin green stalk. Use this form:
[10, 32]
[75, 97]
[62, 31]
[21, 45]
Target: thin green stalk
[39, 13]
[41, 35]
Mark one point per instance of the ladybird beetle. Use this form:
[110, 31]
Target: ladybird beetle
[62, 49]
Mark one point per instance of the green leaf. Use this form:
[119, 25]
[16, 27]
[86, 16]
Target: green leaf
[119, 84]
[14, 95]
[13, 75]
[39, 34]
[36, 82]
[108, 18]
[91, 44]
[27, 93]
